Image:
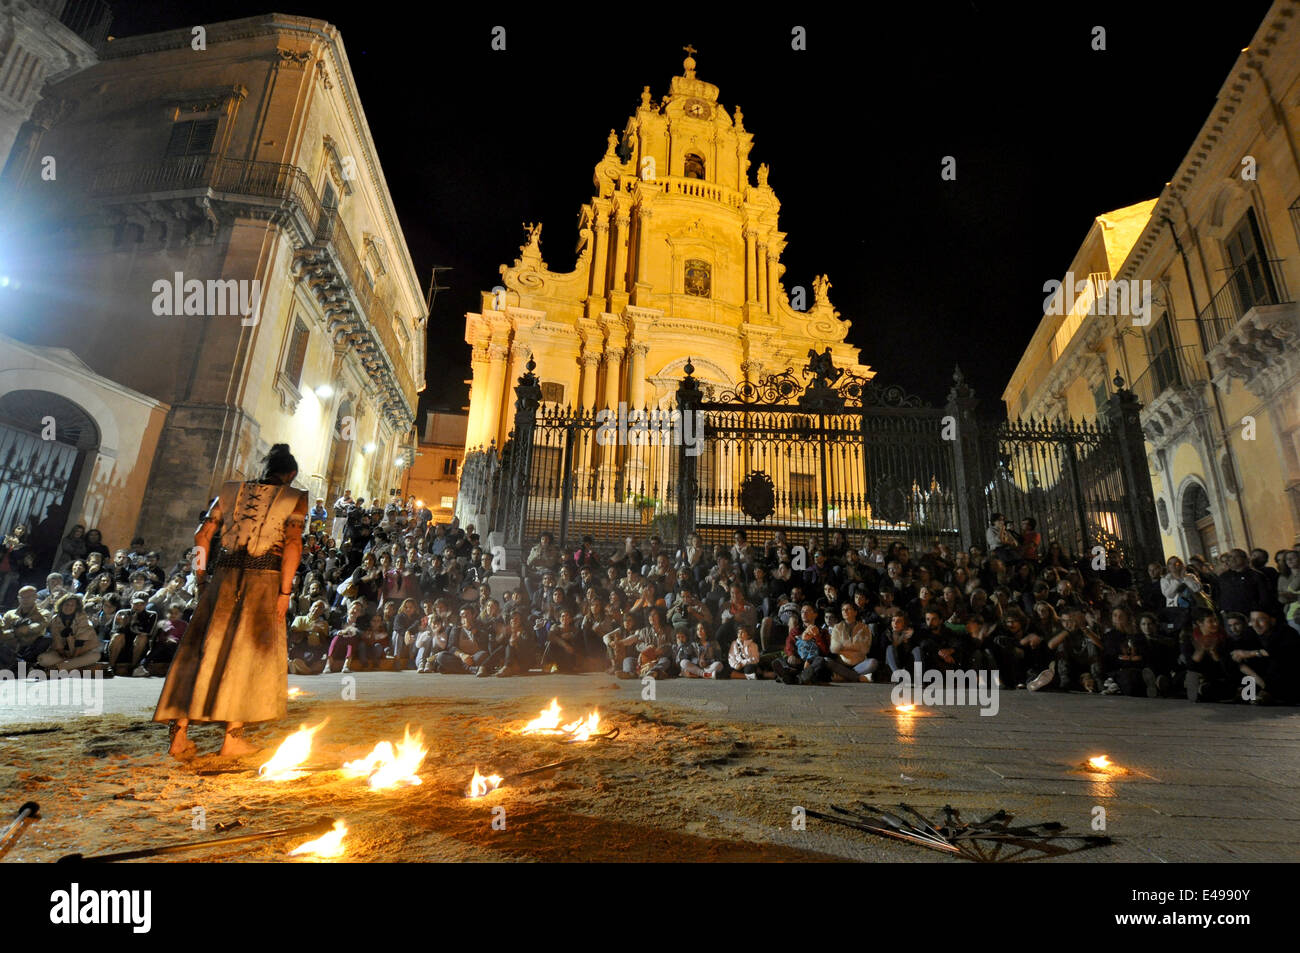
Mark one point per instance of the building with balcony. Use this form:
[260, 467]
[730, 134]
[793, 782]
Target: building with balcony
[678, 259]
[218, 253]
[1191, 305]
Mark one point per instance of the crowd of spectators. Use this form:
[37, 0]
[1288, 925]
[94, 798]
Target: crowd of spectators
[386, 588]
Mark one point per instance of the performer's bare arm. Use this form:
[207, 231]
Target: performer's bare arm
[292, 554]
[203, 539]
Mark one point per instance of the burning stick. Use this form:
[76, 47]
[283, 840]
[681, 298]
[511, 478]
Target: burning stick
[319, 827]
[483, 784]
[29, 811]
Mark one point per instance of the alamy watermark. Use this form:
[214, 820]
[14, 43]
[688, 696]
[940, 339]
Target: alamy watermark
[954, 687]
[73, 688]
[1123, 297]
[215, 297]
[640, 428]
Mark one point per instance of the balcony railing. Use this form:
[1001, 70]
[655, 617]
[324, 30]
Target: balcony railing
[1172, 368]
[1251, 284]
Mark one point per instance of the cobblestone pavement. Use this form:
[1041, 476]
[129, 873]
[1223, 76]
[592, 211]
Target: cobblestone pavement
[1202, 782]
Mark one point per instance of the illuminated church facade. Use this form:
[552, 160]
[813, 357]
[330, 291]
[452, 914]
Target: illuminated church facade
[679, 258]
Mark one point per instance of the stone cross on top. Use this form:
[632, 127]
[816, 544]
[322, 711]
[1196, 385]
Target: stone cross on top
[689, 63]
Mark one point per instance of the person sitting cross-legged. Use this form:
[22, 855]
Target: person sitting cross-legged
[850, 658]
[74, 644]
[805, 653]
[700, 658]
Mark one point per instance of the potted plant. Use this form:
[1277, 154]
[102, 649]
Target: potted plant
[646, 505]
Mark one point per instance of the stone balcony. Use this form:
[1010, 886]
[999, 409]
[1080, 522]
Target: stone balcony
[1262, 350]
[1252, 329]
[1172, 391]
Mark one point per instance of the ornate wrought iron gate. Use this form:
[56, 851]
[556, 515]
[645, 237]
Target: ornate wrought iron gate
[833, 454]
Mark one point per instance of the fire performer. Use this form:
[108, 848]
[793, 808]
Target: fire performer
[230, 665]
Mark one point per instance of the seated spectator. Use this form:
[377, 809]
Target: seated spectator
[805, 654]
[520, 648]
[849, 657]
[74, 644]
[1078, 660]
[1274, 663]
[309, 636]
[699, 658]
[348, 639]
[1204, 659]
[744, 656]
[654, 647]
[564, 650]
[163, 643]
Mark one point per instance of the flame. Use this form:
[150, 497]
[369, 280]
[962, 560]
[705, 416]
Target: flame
[1101, 762]
[296, 692]
[388, 767]
[481, 785]
[905, 709]
[583, 729]
[329, 844]
[291, 755]
[548, 723]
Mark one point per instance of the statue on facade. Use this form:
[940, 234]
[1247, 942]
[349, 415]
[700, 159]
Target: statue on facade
[534, 235]
[740, 119]
[762, 175]
[821, 290]
[822, 367]
[645, 96]
[611, 144]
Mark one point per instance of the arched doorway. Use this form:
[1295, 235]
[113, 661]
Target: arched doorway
[340, 457]
[1198, 521]
[44, 443]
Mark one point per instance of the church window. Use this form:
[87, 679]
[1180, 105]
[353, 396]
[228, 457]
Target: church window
[699, 278]
[694, 166]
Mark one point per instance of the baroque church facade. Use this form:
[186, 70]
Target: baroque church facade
[679, 259]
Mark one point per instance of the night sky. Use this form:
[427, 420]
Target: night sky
[1047, 134]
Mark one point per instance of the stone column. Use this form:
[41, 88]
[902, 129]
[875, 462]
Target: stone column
[496, 383]
[590, 362]
[771, 281]
[642, 233]
[750, 277]
[618, 280]
[600, 254]
[607, 483]
[480, 361]
[760, 270]
[636, 467]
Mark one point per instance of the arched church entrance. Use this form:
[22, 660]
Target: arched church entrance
[45, 443]
[1198, 521]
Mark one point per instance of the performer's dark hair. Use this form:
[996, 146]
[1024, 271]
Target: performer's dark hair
[279, 460]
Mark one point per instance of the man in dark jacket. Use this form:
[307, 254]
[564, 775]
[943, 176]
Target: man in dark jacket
[1241, 587]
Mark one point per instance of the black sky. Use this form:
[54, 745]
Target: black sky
[1047, 134]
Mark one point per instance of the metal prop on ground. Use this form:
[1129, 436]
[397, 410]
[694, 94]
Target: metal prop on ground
[883, 830]
[30, 811]
[319, 827]
[546, 767]
[956, 837]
